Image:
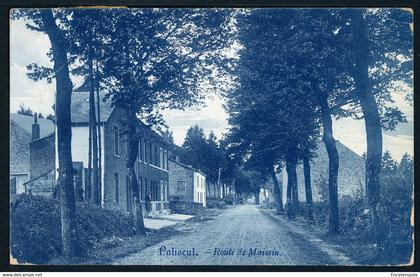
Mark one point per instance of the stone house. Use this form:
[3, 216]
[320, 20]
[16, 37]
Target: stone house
[151, 167]
[186, 184]
[31, 154]
[42, 169]
[351, 174]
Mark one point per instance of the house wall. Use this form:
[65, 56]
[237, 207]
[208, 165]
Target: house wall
[351, 174]
[80, 148]
[42, 155]
[152, 179]
[200, 188]
[177, 190]
[43, 185]
[186, 184]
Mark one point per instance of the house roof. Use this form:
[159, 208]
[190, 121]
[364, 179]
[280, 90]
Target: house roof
[80, 109]
[80, 105]
[46, 126]
[187, 166]
[19, 149]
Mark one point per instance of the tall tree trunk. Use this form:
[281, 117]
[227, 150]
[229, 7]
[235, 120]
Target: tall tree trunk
[92, 115]
[289, 189]
[133, 149]
[333, 163]
[278, 192]
[308, 188]
[257, 197]
[64, 86]
[224, 190]
[372, 125]
[291, 164]
[88, 183]
[99, 134]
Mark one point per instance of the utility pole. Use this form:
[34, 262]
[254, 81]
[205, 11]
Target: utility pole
[218, 178]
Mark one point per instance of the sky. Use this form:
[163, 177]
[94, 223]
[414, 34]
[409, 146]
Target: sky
[27, 46]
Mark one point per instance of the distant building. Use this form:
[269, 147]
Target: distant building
[351, 174]
[151, 167]
[186, 183]
[31, 154]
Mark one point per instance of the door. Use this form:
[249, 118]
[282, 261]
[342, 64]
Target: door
[128, 193]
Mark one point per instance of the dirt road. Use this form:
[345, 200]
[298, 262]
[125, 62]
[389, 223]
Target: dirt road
[241, 235]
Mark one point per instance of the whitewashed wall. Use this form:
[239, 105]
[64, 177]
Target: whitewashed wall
[200, 187]
[80, 149]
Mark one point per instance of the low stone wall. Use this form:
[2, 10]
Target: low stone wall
[43, 185]
[184, 207]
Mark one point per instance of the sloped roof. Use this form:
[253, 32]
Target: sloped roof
[19, 148]
[80, 109]
[46, 126]
[187, 166]
[80, 105]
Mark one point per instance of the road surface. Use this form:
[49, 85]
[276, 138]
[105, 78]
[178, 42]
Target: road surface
[241, 235]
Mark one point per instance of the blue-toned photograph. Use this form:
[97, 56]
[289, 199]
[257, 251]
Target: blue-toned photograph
[212, 136]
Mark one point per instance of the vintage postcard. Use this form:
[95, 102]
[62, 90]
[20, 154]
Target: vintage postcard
[211, 136]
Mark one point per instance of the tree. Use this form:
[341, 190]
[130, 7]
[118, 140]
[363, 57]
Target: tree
[215, 160]
[158, 60]
[203, 153]
[379, 38]
[270, 113]
[24, 110]
[149, 60]
[194, 147]
[249, 182]
[150, 57]
[169, 136]
[44, 20]
[308, 188]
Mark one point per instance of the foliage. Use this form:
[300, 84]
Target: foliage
[248, 182]
[203, 153]
[151, 59]
[271, 115]
[36, 234]
[24, 110]
[397, 203]
[169, 136]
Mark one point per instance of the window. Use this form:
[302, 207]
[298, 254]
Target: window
[116, 141]
[145, 152]
[156, 161]
[140, 150]
[150, 154]
[165, 159]
[117, 189]
[161, 158]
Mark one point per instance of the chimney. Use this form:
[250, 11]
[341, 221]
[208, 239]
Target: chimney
[35, 128]
[177, 158]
